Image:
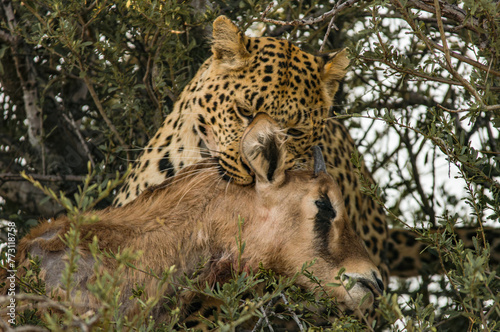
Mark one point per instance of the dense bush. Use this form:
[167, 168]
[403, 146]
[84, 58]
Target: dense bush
[89, 82]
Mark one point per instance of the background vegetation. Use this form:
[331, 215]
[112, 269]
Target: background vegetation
[90, 82]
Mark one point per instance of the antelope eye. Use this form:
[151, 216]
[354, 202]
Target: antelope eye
[295, 132]
[326, 213]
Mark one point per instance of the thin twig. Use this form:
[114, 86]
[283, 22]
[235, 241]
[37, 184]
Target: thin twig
[399, 6]
[149, 64]
[309, 21]
[100, 108]
[426, 202]
[412, 72]
[261, 319]
[445, 271]
[467, 60]
[488, 108]
[69, 119]
[452, 12]
[4, 177]
[330, 25]
[294, 315]
[447, 55]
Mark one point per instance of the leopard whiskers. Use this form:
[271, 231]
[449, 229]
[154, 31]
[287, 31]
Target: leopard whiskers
[227, 185]
[193, 173]
[206, 173]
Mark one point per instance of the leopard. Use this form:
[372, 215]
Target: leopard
[250, 75]
[246, 76]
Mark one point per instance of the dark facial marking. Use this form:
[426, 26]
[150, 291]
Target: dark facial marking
[323, 221]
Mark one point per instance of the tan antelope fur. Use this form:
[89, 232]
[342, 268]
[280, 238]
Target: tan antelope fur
[290, 217]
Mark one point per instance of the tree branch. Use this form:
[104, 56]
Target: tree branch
[467, 60]
[336, 9]
[100, 108]
[449, 11]
[426, 202]
[412, 72]
[446, 52]
[27, 75]
[69, 119]
[4, 177]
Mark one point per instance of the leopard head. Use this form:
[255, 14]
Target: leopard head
[251, 75]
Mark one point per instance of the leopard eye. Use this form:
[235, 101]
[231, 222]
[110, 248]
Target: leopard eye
[295, 132]
[244, 112]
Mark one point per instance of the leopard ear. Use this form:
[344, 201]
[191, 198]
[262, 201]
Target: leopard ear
[229, 44]
[335, 70]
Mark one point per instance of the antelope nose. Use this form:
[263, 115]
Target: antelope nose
[372, 282]
[380, 284]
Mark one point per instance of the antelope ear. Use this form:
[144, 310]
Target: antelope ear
[335, 70]
[263, 149]
[229, 44]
